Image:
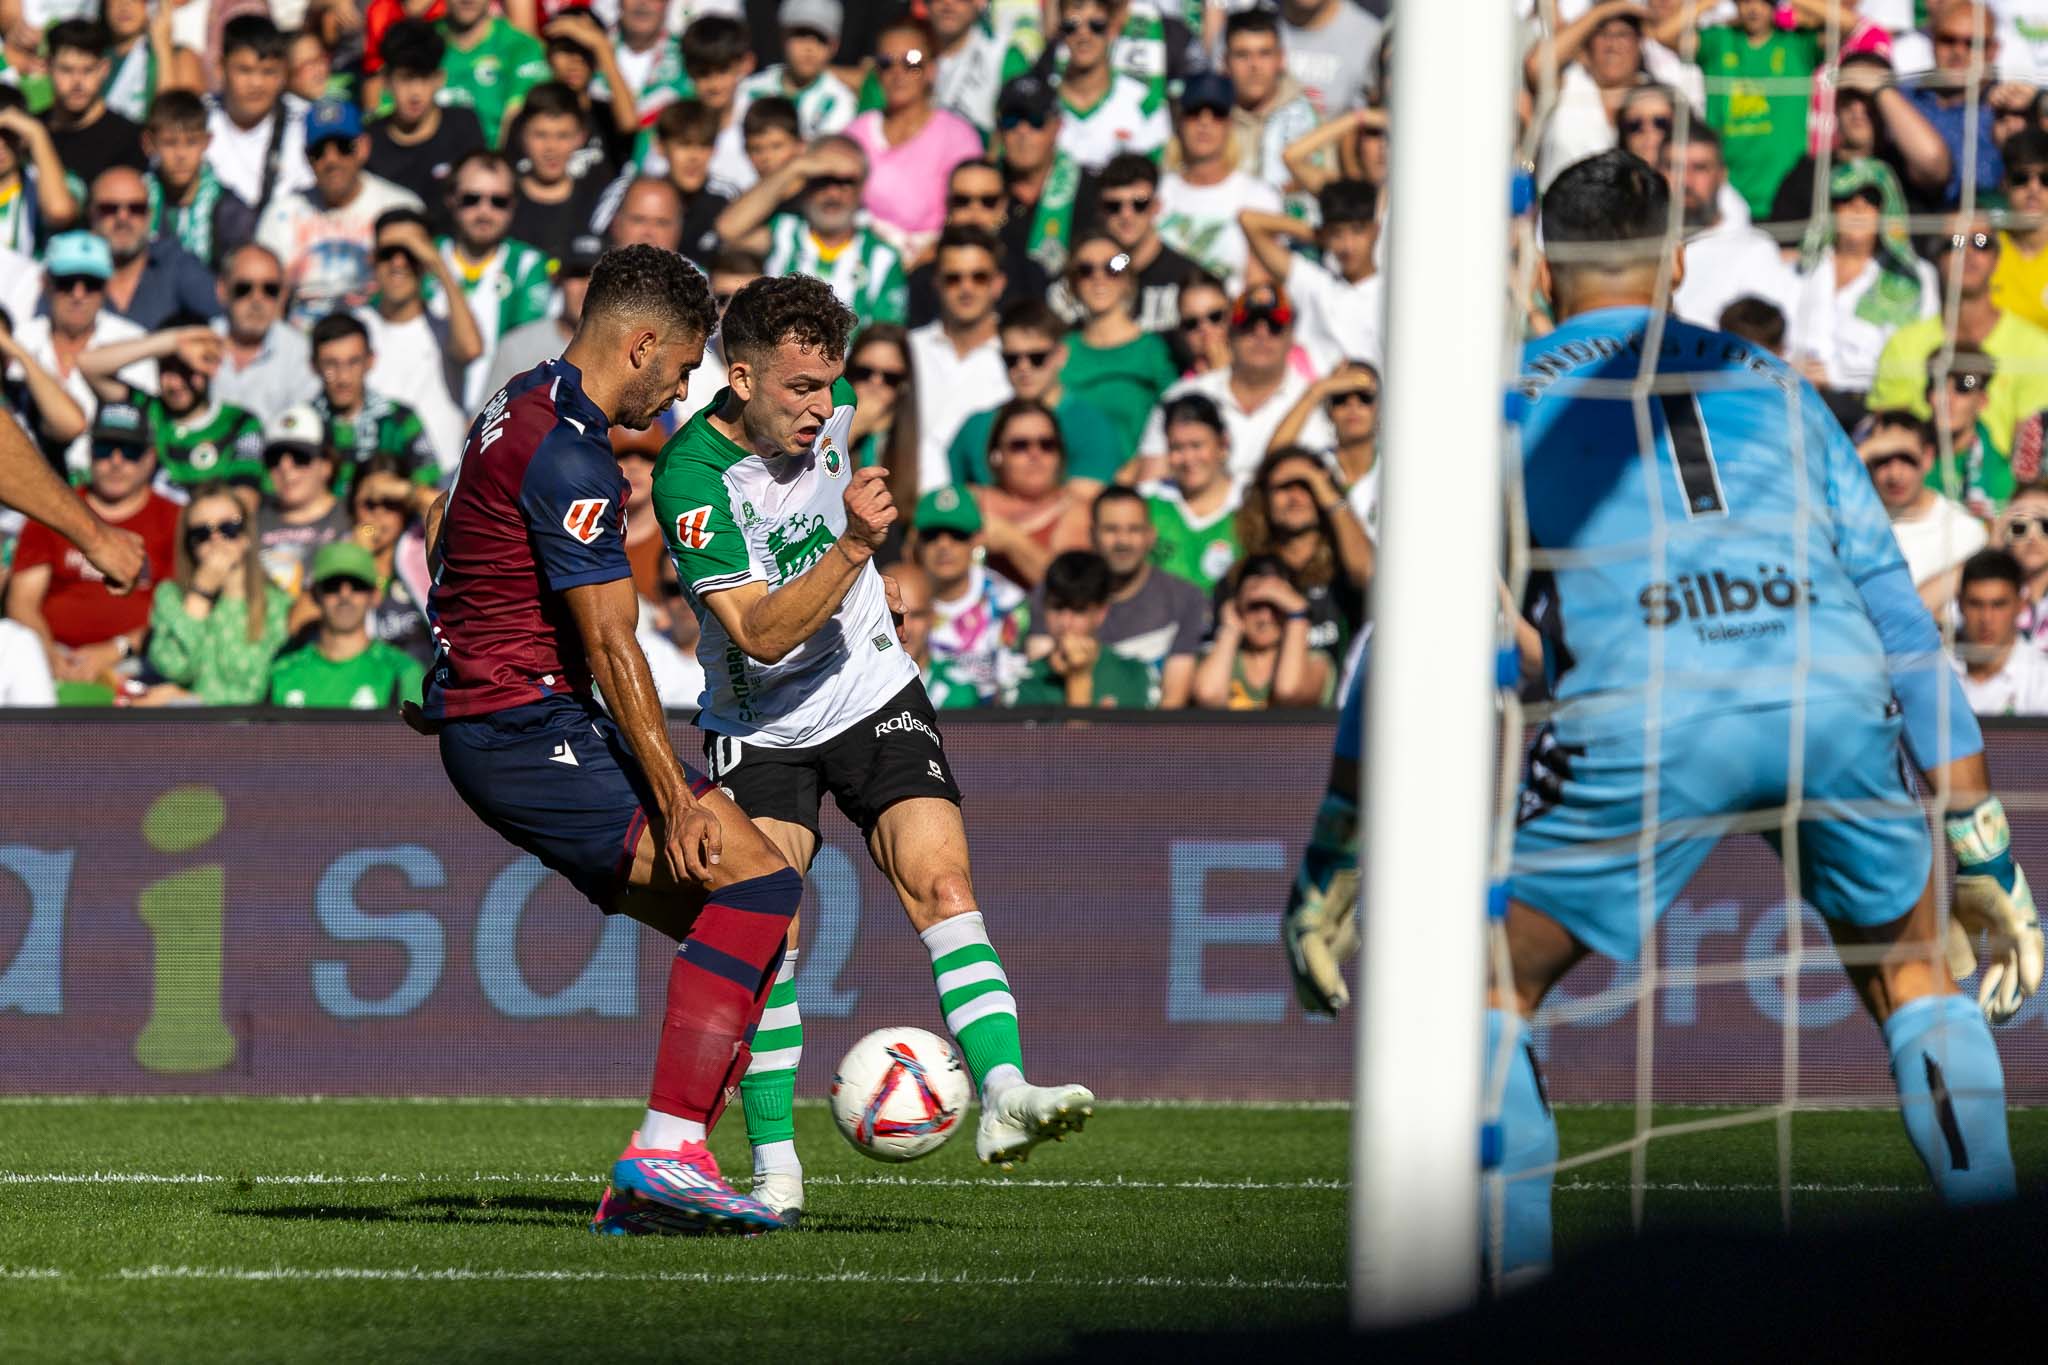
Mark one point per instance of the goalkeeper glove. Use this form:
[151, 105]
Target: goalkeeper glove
[1322, 911]
[1992, 901]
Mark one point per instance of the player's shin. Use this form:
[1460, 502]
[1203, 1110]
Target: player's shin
[974, 994]
[768, 1091]
[1952, 1096]
[717, 987]
[1528, 1143]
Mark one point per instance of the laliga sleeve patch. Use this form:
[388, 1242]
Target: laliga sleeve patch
[585, 518]
[693, 528]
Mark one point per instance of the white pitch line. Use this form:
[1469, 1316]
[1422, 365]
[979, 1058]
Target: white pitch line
[466, 1275]
[318, 1178]
[1705, 1187]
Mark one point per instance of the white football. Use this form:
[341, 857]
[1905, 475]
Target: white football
[900, 1093]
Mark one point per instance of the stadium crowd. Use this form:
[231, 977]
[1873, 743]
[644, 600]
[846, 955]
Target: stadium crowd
[1117, 265]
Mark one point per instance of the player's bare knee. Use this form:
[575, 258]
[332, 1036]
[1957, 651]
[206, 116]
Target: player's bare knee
[941, 897]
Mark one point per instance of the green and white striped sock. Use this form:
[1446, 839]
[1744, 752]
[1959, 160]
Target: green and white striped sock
[974, 994]
[768, 1090]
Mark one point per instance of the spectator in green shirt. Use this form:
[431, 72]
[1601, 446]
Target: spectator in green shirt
[1758, 90]
[1079, 672]
[1975, 471]
[1034, 343]
[217, 623]
[1112, 362]
[489, 63]
[342, 667]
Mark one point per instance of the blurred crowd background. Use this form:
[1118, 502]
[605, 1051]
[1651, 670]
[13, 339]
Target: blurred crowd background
[1118, 266]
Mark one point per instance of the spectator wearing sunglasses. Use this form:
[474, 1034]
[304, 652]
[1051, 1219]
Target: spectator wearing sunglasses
[1106, 114]
[1935, 533]
[1255, 393]
[385, 509]
[266, 364]
[975, 198]
[88, 136]
[2020, 387]
[880, 367]
[218, 621]
[197, 438]
[1201, 337]
[912, 145]
[1272, 111]
[1034, 350]
[424, 335]
[2002, 673]
[187, 202]
[2020, 283]
[1349, 399]
[87, 631]
[1860, 280]
[154, 278]
[325, 234]
[959, 357]
[1031, 511]
[1206, 185]
[299, 513]
[1342, 297]
[978, 616]
[505, 281]
[946, 688]
[1112, 362]
[419, 143]
[344, 666]
[830, 239]
[2022, 531]
[1043, 183]
[1975, 471]
[1942, 95]
[76, 267]
[1127, 207]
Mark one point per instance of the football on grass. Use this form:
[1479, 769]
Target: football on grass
[900, 1093]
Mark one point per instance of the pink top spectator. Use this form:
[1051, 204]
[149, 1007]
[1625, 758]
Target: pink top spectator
[907, 184]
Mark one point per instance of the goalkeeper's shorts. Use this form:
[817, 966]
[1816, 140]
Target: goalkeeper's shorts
[1863, 847]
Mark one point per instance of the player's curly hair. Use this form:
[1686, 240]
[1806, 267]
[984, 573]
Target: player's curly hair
[794, 308]
[646, 282]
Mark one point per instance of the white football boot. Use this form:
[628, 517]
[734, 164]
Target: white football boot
[782, 1191]
[1025, 1115]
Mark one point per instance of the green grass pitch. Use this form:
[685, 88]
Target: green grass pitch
[368, 1231]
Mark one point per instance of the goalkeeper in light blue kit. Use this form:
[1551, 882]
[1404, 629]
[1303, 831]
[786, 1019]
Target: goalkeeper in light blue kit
[1743, 565]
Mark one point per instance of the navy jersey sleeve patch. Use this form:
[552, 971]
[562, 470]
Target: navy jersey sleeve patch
[574, 502]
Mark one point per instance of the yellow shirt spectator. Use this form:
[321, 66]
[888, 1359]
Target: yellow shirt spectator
[2020, 284]
[2019, 390]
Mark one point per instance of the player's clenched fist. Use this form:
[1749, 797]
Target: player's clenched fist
[870, 511]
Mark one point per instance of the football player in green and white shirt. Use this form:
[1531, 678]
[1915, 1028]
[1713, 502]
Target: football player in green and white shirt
[808, 691]
[810, 38]
[827, 240]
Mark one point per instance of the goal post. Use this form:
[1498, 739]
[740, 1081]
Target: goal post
[1429, 778]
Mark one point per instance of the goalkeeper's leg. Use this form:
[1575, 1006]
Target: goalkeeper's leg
[1541, 952]
[1951, 1086]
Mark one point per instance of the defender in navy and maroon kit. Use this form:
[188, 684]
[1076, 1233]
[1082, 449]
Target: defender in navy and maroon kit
[533, 609]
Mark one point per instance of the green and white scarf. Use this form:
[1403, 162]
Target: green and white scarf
[191, 224]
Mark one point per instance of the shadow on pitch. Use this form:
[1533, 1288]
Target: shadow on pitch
[498, 1210]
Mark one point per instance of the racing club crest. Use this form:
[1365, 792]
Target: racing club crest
[832, 458]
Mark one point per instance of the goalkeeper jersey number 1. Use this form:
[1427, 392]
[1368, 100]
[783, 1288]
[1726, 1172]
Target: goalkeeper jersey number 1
[730, 518]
